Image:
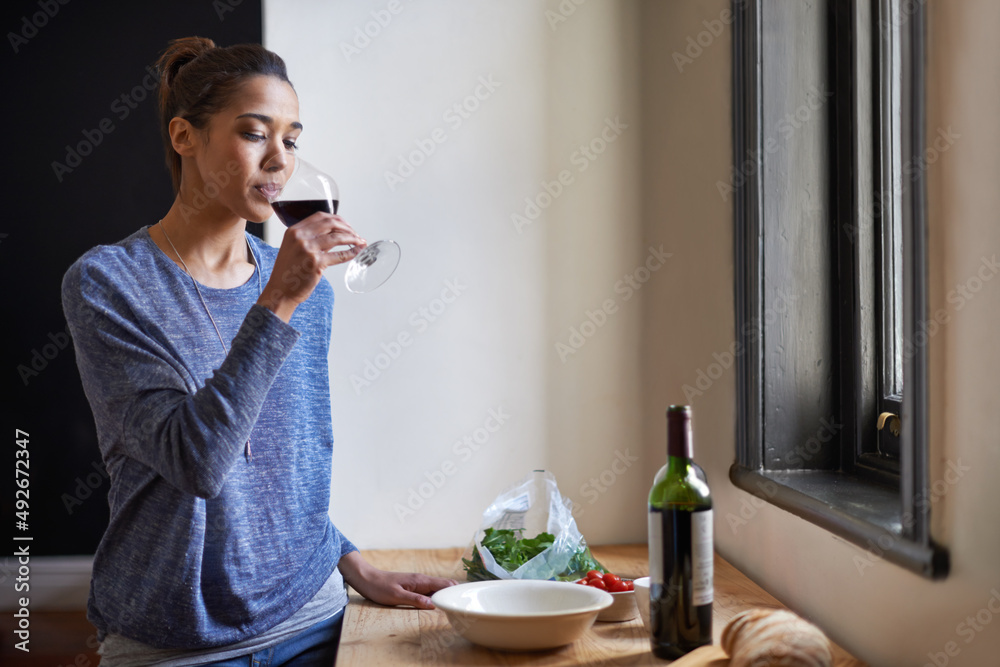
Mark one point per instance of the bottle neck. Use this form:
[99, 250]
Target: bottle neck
[678, 435]
[678, 443]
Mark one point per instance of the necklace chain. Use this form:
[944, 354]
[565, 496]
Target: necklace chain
[260, 289]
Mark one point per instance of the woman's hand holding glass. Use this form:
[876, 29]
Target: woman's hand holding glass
[307, 249]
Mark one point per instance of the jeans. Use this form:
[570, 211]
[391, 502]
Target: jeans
[315, 646]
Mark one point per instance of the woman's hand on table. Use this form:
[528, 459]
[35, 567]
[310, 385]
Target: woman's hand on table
[390, 588]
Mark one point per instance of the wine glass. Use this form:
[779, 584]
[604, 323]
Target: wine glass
[309, 190]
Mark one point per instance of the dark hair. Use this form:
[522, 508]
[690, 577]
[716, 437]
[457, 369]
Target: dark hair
[198, 79]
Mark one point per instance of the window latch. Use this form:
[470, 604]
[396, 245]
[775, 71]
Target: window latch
[895, 426]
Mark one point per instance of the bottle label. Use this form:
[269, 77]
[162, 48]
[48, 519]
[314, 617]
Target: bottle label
[702, 564]
[655, 548]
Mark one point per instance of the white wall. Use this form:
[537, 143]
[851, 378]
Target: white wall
[364, 104]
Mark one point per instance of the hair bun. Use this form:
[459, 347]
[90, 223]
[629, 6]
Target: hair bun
[178, 54]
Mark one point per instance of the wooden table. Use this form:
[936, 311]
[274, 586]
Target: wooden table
[375, 635]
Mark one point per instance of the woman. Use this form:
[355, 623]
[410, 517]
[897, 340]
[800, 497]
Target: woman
[203, 353]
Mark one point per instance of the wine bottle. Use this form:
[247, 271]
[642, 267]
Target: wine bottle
[680, 548]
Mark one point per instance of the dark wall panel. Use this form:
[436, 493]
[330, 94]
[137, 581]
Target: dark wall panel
[83, 165]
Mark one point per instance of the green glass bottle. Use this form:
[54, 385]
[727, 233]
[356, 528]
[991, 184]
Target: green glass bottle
[680, 548]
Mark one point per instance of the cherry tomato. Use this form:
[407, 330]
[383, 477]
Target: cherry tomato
[594, 574]
[629, 585]
[617, 587]
[582, 581]
[597, 583]
[610, 578]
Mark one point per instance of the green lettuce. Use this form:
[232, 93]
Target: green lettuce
[511, 551]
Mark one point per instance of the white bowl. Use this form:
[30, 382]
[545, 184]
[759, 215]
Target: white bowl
[622, 609]
[641, 586]
[521, 615]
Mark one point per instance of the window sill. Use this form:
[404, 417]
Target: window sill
[862, 512]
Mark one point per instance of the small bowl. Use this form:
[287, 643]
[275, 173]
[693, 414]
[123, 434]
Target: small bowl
[521, 615]
[622, 609]
[641, 586]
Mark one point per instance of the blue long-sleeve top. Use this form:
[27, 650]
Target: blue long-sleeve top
[204, 547]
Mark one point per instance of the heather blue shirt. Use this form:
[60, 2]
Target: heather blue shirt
[203, 547]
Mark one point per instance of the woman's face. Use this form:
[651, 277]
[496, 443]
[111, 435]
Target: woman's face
[247, 148]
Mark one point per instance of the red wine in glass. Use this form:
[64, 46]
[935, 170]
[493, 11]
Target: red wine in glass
[296, 210]
[306, 190]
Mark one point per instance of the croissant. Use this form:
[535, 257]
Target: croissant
[774, 638]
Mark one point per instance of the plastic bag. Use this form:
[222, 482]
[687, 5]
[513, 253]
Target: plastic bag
[530, 508]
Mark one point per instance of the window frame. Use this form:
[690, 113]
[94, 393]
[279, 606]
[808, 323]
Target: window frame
[887, 162]
[892, 521]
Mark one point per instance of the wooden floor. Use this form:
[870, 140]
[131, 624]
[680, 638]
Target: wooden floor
[58, 639]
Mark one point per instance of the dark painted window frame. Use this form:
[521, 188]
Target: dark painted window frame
[894, 522]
